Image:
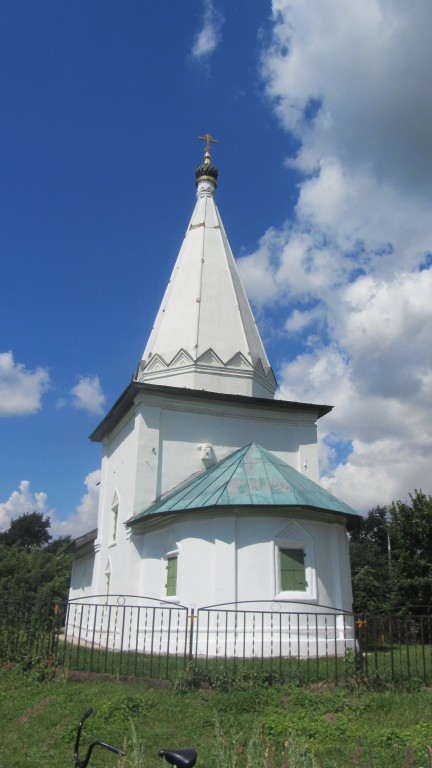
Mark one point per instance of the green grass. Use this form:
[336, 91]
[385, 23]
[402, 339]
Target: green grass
[404, 664]
[128, 663]
[249, 726]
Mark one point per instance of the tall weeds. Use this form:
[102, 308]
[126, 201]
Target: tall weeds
[231, 750]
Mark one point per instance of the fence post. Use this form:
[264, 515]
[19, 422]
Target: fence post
[360, 642]
[191, 633]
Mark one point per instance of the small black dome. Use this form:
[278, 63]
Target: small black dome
[206, 170]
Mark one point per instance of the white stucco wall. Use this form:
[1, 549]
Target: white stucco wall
[228, 558]
[82, 577]
[170, 432]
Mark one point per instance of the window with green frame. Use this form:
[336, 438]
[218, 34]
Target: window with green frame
[292, 570]
[171, 582]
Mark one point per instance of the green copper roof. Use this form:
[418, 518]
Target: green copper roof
[250, 476]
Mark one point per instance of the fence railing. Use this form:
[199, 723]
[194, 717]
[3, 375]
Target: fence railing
[125, 635]
[138, 636]
[395, 647]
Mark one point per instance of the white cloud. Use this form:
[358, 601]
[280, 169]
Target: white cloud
[378, 472]
[366, 64]
[21, 390]
[351, 267]
[299, 320]
[209, 37]
[84, 519]
[87, 395]
[24, 501]
[390, 434]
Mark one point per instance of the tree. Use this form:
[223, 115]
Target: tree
[391, 556]
[411, 550]
[373, 529]
[369, 562]
[29, 531]
[33, 577]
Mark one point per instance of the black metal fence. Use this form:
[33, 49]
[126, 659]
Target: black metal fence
[138, 636]
[125, 635]
[395, 648]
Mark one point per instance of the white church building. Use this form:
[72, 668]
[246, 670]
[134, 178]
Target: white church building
[209, 491]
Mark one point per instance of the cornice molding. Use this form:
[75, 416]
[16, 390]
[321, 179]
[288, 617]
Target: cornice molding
[159, 395]
[232, 411]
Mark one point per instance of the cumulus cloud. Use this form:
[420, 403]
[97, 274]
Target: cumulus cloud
[24, 501]
[21, 390]
[87, 395]
[348, 79]
[351, 268]
[84, 518]
[209, 37]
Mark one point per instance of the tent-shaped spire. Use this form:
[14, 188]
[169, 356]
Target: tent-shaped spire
[205, 336]
[250, 476]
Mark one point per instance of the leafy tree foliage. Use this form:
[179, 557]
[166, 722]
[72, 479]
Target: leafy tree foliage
[391, 557]
[411, 542]
[369, 562]
[29, 531]
[34, 577]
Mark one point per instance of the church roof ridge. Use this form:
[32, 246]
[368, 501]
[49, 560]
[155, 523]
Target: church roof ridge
[248, 477]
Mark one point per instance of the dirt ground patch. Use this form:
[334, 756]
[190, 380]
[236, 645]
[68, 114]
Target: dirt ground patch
[34, 710]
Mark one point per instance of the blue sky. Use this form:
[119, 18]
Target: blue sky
[323, 116]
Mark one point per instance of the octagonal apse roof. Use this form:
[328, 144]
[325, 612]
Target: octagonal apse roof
[250, 476]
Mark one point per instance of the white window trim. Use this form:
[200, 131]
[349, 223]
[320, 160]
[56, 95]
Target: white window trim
[295, 537]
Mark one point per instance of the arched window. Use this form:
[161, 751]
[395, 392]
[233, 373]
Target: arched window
[114, 517]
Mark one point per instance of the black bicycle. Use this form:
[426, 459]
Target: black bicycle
[83, 762]
[182, 758]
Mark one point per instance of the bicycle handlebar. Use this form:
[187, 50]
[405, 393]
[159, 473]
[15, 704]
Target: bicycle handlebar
[82, 763]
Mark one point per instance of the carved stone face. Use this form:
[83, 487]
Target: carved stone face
[207, 454]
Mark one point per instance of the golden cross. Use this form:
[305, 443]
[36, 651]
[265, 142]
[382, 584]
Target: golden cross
[208, 139]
